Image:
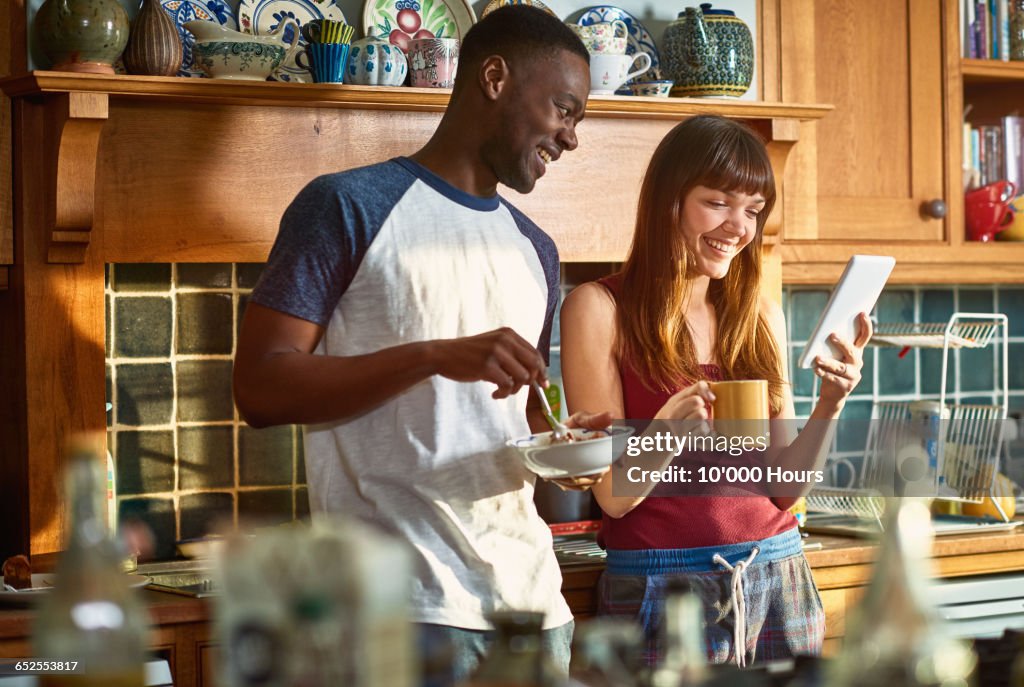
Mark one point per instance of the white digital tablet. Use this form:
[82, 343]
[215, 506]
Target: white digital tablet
[856, 292]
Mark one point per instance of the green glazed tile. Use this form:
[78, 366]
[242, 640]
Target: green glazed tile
[937, 305]
[204, 391]
[896, 375]
[107, 325]
[300, 457]
[852, 427]
[142, 327]
[145, 462]
[109, 392]
[807, 306]
[1011, 304]
[142, 277]
[204, 514]
[1016, 366]
[302, 505]
[802, 380]
[205, 457]
[265, 456]
[265, 506]
[204, 275]
[248, 273]
[896, 305]
[158, 515]
[976, 300]
[977, 369]
[243, 302]
[144, 394]
[204, 323]
[931, 371]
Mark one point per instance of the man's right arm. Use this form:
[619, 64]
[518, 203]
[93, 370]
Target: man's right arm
[278, 379]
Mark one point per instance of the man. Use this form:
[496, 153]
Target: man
[399, 318]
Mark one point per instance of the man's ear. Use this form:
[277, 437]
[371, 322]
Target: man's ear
[494, 76]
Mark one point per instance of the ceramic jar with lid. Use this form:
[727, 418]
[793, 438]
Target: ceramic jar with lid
[82, 35]
[374, 61]
[708, 52]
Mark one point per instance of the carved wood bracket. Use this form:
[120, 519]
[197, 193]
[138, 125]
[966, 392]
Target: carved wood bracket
[79, 121]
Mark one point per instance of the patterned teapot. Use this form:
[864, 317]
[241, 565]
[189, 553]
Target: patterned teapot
[708, 52]
[374, 61]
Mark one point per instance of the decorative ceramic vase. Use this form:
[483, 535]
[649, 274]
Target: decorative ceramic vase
[375, 62]
[82, 35]
[708, 52]
[154, 47]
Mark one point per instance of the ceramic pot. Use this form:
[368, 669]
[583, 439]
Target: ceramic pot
[82, 35]
[708, 52]
[154, 47]
[375, 62]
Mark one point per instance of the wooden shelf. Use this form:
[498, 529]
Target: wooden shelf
[991, 71]
[263, 93]
[201, 137]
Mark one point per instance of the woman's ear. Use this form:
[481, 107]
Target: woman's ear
[494, 76]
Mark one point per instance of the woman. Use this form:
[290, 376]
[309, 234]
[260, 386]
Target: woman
[643, 343]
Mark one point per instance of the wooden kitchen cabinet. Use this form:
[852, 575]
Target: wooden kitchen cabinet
[862, 179]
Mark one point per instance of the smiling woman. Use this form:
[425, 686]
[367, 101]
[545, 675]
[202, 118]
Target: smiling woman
[645, 344]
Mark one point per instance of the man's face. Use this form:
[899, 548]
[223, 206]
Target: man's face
[538, 117]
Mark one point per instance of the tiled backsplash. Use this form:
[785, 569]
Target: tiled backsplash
[186, 463]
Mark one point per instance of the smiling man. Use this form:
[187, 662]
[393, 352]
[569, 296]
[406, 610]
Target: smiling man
[404, 307]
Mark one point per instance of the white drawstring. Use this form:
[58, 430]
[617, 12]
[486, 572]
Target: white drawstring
[739, 607]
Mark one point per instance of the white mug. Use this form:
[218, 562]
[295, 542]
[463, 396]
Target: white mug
[608, 72]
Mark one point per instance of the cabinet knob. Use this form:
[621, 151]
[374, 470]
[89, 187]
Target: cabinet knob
[936, 209]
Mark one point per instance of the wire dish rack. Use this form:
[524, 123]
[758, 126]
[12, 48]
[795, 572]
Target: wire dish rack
[960, 461]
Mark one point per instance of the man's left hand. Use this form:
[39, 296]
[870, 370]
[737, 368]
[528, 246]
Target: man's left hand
[585, 420]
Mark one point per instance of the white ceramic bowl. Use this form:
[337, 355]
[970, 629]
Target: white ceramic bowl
[590, 454]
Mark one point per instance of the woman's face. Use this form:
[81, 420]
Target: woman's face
[717, 225]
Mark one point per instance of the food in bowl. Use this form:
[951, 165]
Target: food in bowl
[589, 453]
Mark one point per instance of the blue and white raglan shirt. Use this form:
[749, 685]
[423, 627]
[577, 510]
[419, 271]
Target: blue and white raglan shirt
[392, 254]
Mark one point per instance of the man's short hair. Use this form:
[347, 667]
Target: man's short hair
[515, 32]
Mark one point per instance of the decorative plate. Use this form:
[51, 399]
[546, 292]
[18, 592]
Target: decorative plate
[182, 11]
[260, 17]
[639, 37]
[495, 4]
[399, 21]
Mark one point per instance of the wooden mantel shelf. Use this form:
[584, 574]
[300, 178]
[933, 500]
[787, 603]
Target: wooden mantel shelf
[164, 160]
[272, 93]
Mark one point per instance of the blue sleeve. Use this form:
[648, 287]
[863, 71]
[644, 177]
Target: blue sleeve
[323, 236]
[547, 252]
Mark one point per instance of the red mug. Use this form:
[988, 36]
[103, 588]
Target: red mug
[987, 210]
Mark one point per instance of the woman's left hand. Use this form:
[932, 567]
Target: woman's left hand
[840, 377]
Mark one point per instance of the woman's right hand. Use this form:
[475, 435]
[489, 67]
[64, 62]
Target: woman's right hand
[691, 403]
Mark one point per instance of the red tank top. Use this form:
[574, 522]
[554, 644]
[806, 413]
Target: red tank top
[683, 522]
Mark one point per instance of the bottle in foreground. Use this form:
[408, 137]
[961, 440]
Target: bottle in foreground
[92, 616]
[896, 637]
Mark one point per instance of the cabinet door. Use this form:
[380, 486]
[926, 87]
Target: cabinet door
[878, 156]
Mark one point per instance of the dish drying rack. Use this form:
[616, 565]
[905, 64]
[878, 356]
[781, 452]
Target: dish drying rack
[969, 440]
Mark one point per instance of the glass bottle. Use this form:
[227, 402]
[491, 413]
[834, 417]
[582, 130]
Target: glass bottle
[92, 616]
[517, 657]
[895, 636]
[682, 638]
[607, 652]
[1017, 30]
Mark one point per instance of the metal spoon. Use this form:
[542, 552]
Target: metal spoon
[559, 432]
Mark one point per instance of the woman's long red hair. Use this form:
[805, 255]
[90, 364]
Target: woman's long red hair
[653, 334]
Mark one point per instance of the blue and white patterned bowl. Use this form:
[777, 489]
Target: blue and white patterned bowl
[591, 452]
[375, 62]
[656, 89]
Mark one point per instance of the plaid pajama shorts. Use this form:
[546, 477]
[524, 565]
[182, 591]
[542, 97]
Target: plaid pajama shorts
[782, 609]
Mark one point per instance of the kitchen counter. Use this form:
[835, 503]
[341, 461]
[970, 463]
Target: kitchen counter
[841, 567]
